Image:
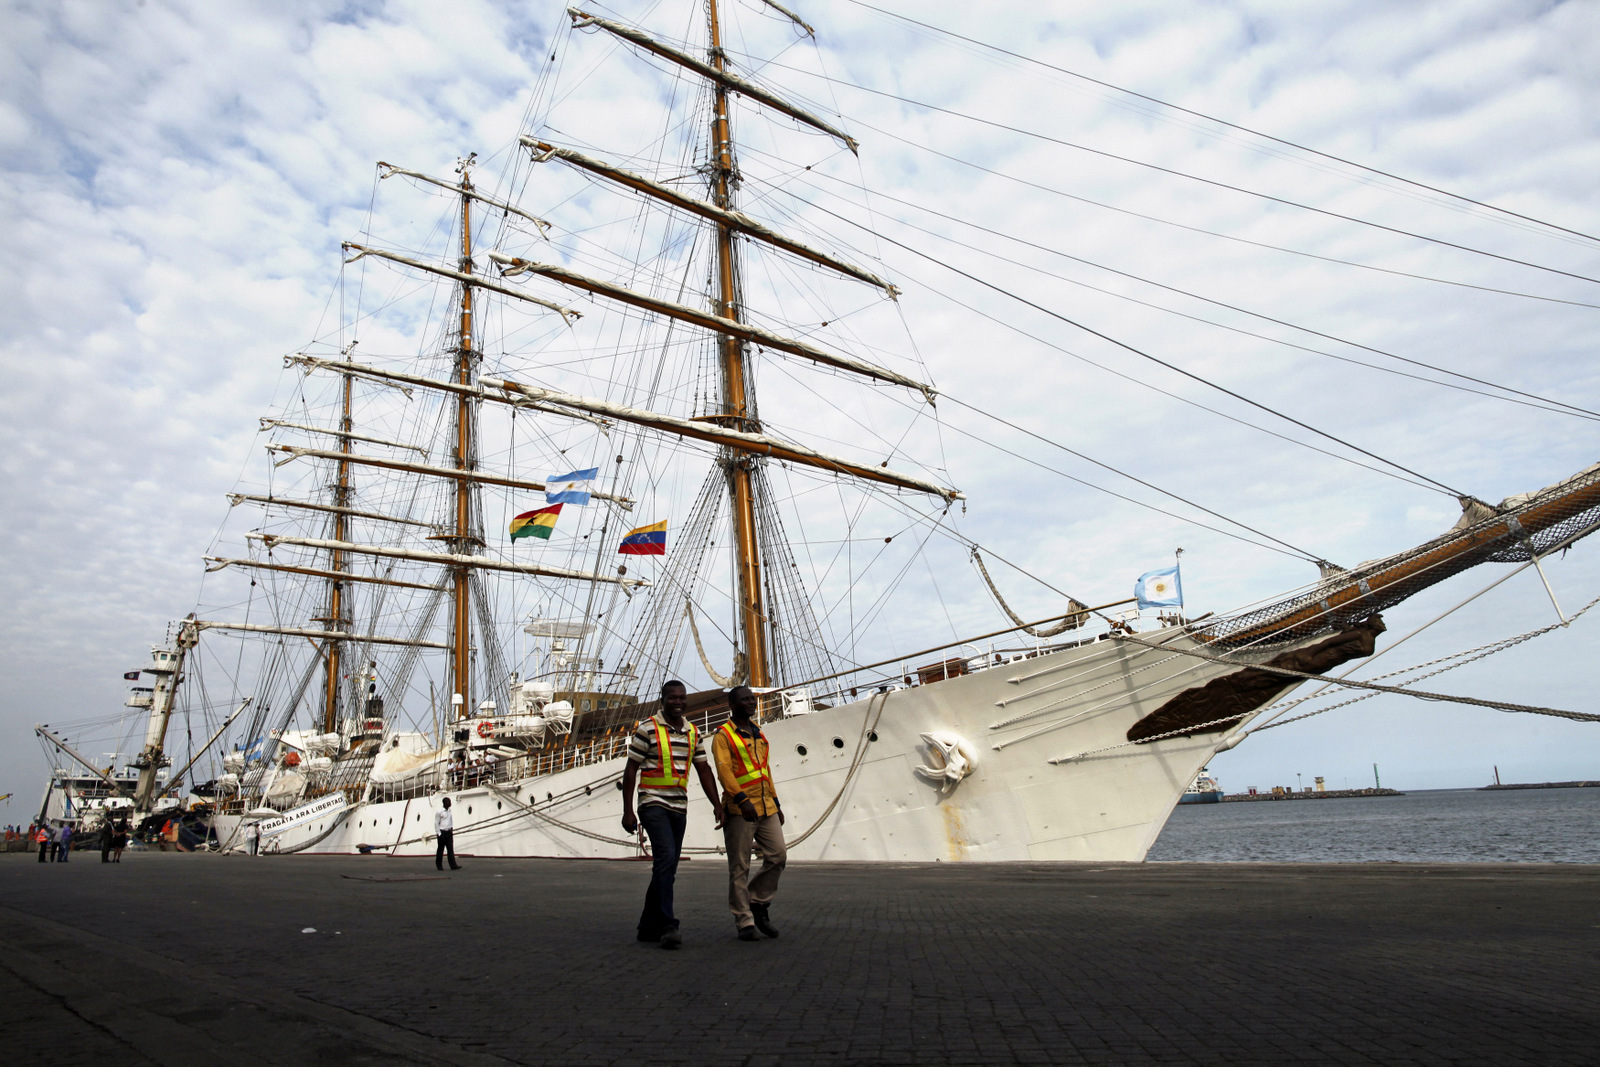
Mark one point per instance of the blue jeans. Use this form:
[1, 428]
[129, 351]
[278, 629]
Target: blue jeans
[665, 828]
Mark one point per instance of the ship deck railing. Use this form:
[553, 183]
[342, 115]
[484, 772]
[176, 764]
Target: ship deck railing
[925, 669]
[573, 751]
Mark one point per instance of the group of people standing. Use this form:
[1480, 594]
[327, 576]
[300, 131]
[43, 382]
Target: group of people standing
[55, 842]
[746, 809]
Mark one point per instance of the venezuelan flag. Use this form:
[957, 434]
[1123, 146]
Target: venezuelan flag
[646, 541]
[535, 523]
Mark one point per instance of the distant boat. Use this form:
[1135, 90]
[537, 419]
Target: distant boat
[1203, 790]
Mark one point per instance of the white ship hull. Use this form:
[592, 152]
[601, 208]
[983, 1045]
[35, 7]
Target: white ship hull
[1015, 805]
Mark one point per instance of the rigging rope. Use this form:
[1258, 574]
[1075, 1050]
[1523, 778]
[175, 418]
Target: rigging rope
[1194, 178]
[1530, 399]
[1223, 122]
[1439, 486]
[1233, 718]
[739, 663]
[869, 724]
[1498, 705]
[1132, 478]
[1079, 616]
[1472, 655]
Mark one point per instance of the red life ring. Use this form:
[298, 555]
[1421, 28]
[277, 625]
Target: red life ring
[292, 760]
[486, 729]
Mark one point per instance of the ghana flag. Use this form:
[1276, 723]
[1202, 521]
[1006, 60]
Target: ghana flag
[535, 523]
[646, 541]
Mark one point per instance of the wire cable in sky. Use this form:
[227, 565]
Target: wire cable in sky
[1225, 122]
[1132, 478]
[1559, 407]
[1195, 177]
[1440, 486]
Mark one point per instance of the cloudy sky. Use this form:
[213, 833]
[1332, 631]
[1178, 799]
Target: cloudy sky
[179, 177]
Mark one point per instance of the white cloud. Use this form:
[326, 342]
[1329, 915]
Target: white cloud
[179, 176]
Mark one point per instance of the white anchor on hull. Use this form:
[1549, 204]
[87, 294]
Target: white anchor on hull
[954, 759]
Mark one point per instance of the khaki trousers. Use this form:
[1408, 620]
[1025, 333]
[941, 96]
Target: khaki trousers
[767, 837]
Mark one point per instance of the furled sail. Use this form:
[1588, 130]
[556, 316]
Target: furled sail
[582, 20]
[736, 220]
[729, 327]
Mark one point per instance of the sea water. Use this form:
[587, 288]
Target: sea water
[1425, 826]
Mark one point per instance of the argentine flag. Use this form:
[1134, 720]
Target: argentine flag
[1159, 589]
[568, 488]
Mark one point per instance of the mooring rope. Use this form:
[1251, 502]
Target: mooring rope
[869, 724]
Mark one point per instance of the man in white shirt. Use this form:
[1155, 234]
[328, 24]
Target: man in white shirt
[252, 838]
[444, 824]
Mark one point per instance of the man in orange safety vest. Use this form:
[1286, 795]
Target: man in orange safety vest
[751, 816]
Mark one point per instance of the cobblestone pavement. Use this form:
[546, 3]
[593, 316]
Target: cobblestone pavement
[183, 959]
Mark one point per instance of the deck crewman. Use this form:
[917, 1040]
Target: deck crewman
[752, 815]
[444, 825]
[659, 756]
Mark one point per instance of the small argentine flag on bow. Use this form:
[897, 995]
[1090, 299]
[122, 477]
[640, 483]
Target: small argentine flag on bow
[569, 488]
[1159, 589]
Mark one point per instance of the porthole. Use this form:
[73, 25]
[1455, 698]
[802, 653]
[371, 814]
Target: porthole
[838, 742]
[497, 805]
[419, 818]
[469, 809]
[800, 749]
[391, 822]
[873, 736]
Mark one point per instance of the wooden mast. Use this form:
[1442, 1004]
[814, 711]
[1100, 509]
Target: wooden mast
[461, 630]
[341, 521]
[736, 411]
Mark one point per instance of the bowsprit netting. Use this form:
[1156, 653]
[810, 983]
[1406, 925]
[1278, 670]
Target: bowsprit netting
[1520, 528]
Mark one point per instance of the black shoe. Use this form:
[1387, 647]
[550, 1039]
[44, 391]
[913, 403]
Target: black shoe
[672, 938]
[763, 923]
[647, 936]
[748, 933]
[455, 866]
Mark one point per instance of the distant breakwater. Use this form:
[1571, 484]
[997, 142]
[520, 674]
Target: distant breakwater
[1542, 785]
[1326, 795]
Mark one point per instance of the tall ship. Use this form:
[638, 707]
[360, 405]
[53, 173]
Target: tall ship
[612, 417]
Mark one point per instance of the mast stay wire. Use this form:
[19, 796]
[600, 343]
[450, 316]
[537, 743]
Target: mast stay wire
[1293, 549]
[1194, 177]
[1308, 556]
[1225, 122]
[1227, 236]
[1557, 404]
[1133, 478]
[1084, 359]
[1440, 486]
[1202, 230]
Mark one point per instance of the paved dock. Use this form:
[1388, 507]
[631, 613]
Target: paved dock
[184, 959]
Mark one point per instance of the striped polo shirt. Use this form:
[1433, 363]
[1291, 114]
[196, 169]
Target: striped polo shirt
[642, 749]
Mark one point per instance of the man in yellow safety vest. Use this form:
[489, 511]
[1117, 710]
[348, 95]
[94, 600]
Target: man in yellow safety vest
[659, 754]
[751, 815]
